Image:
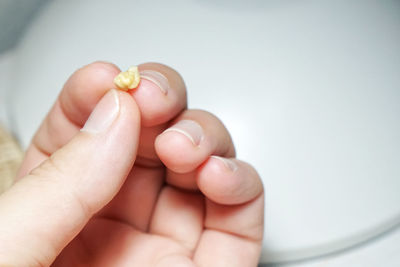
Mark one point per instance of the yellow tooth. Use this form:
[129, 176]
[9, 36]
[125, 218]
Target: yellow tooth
[128, 79]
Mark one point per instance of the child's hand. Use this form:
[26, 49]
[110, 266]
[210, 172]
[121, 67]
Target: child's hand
[145, 182]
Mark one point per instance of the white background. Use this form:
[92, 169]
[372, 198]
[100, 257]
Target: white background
[309, 89]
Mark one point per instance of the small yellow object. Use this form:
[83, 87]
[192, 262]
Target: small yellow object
[128, 79]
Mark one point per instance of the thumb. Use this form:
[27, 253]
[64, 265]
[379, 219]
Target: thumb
[46, 209]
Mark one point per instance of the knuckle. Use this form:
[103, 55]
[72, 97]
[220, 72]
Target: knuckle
[49, 168]
[102, 65]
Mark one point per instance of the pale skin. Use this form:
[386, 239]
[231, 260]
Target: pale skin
[132, 194]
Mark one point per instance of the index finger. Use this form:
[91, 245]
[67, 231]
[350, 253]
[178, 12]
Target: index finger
[80, 95]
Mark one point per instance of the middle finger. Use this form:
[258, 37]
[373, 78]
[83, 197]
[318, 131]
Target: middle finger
[161, 96]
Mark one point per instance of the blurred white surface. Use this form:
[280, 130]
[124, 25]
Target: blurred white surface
[14, 16]
[382, 251]
[310, 91]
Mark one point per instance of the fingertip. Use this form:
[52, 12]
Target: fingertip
[228, 181]
[178, 152]
[102, 65]
[157, 107]
[193, 137]
[85, 88]
[161, 93]
[214, 179]
[167, 71]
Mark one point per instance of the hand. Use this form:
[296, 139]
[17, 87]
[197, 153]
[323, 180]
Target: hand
[145, 182]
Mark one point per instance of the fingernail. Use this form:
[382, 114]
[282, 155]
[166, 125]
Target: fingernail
[157, 78]
[104, 114]
[191, 129]
[227, 162]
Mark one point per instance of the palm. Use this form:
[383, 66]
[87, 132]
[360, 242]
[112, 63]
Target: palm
[150, 222]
